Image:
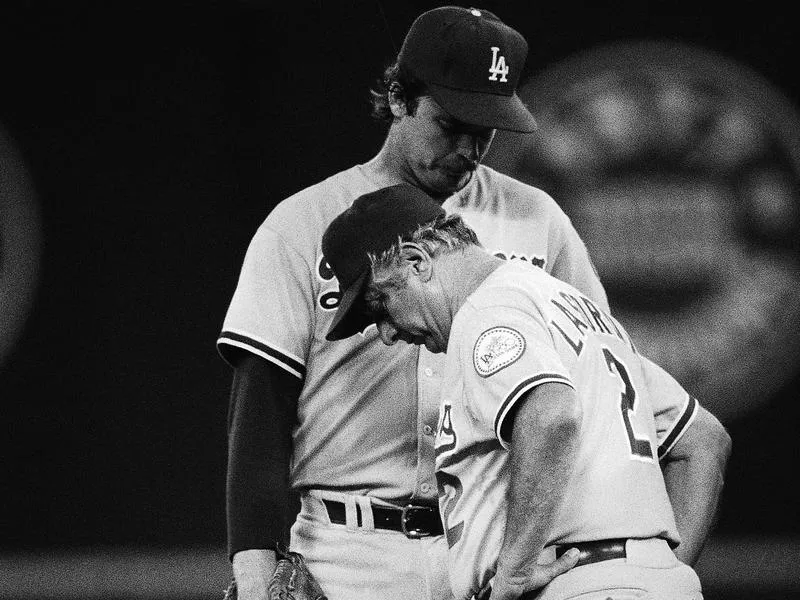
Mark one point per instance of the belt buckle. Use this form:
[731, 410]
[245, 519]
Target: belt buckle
[407, 510]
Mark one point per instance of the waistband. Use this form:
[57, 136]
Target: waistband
[367, 513]
[651, 552]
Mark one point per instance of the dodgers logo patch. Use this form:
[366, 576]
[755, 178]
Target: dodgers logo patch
[497, 348]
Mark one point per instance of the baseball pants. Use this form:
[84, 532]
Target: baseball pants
[650, 571]
[356, 561]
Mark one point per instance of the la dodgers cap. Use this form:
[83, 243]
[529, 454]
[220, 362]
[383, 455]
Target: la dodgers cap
[471, 62]
[372, 224]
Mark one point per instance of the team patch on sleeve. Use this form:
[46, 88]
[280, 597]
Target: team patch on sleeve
[497, 348]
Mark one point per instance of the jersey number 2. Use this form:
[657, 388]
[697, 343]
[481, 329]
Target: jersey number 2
[448, 482]
[640, 447]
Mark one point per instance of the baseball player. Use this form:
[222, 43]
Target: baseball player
[546, 441]
[351, 426]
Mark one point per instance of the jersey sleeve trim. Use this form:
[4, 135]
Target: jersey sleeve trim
[680, 426]
[522, 387]
[282, 358]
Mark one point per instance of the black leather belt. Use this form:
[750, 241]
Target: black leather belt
[592, 552]
[413, 521]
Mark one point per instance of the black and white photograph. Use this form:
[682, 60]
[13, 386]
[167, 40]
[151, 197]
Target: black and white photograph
[409, 300]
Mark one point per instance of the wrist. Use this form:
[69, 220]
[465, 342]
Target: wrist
[253, 563]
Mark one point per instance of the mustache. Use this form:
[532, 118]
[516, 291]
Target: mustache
[458, 163]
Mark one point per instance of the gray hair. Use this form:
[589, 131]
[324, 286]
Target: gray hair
[443, 235]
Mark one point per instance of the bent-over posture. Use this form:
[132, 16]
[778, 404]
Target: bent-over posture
[551, 424]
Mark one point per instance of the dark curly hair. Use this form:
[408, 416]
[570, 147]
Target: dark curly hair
[396, 80]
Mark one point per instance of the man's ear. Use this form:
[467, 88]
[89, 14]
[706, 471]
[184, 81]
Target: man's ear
[397, 100]
[418, 260]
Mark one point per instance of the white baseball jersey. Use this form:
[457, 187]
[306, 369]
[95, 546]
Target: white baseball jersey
[519, 329]
[360, 428]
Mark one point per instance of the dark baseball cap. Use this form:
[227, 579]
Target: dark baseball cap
[471, 62]
[372, 224]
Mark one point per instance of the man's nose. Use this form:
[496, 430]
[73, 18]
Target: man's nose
[387, 333]
[469, 146]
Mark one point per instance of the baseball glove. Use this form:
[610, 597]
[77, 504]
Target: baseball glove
[291, 581]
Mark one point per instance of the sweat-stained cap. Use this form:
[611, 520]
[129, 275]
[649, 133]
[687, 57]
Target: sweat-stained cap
[471, 62]
[371, 225]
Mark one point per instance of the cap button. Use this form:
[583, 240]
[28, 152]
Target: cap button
[475, 12]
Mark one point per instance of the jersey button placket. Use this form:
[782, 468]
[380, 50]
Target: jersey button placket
[428, 389]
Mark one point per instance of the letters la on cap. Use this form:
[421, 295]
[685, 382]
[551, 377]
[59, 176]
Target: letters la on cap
[471, 63]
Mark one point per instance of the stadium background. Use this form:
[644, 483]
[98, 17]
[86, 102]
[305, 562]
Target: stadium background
[140, 146]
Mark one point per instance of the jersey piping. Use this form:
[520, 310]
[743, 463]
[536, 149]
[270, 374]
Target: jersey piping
[516, 394]
[679, 428]
[282, 358]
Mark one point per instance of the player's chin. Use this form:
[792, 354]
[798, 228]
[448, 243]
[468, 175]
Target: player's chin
[445, 182]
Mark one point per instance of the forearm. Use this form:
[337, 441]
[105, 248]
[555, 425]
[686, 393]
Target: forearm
[694, 475]
[257, 501]
[258, 497]
[252, 570]
[543, 448]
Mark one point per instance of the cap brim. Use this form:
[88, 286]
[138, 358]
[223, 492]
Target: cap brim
[485, 110]
[351, 316]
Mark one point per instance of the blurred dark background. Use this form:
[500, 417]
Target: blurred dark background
[157, 136]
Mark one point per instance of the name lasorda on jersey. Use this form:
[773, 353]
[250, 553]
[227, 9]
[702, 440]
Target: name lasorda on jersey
[330, 297]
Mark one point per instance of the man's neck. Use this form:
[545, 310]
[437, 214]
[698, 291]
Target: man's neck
[466, 271]
[384, 171]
